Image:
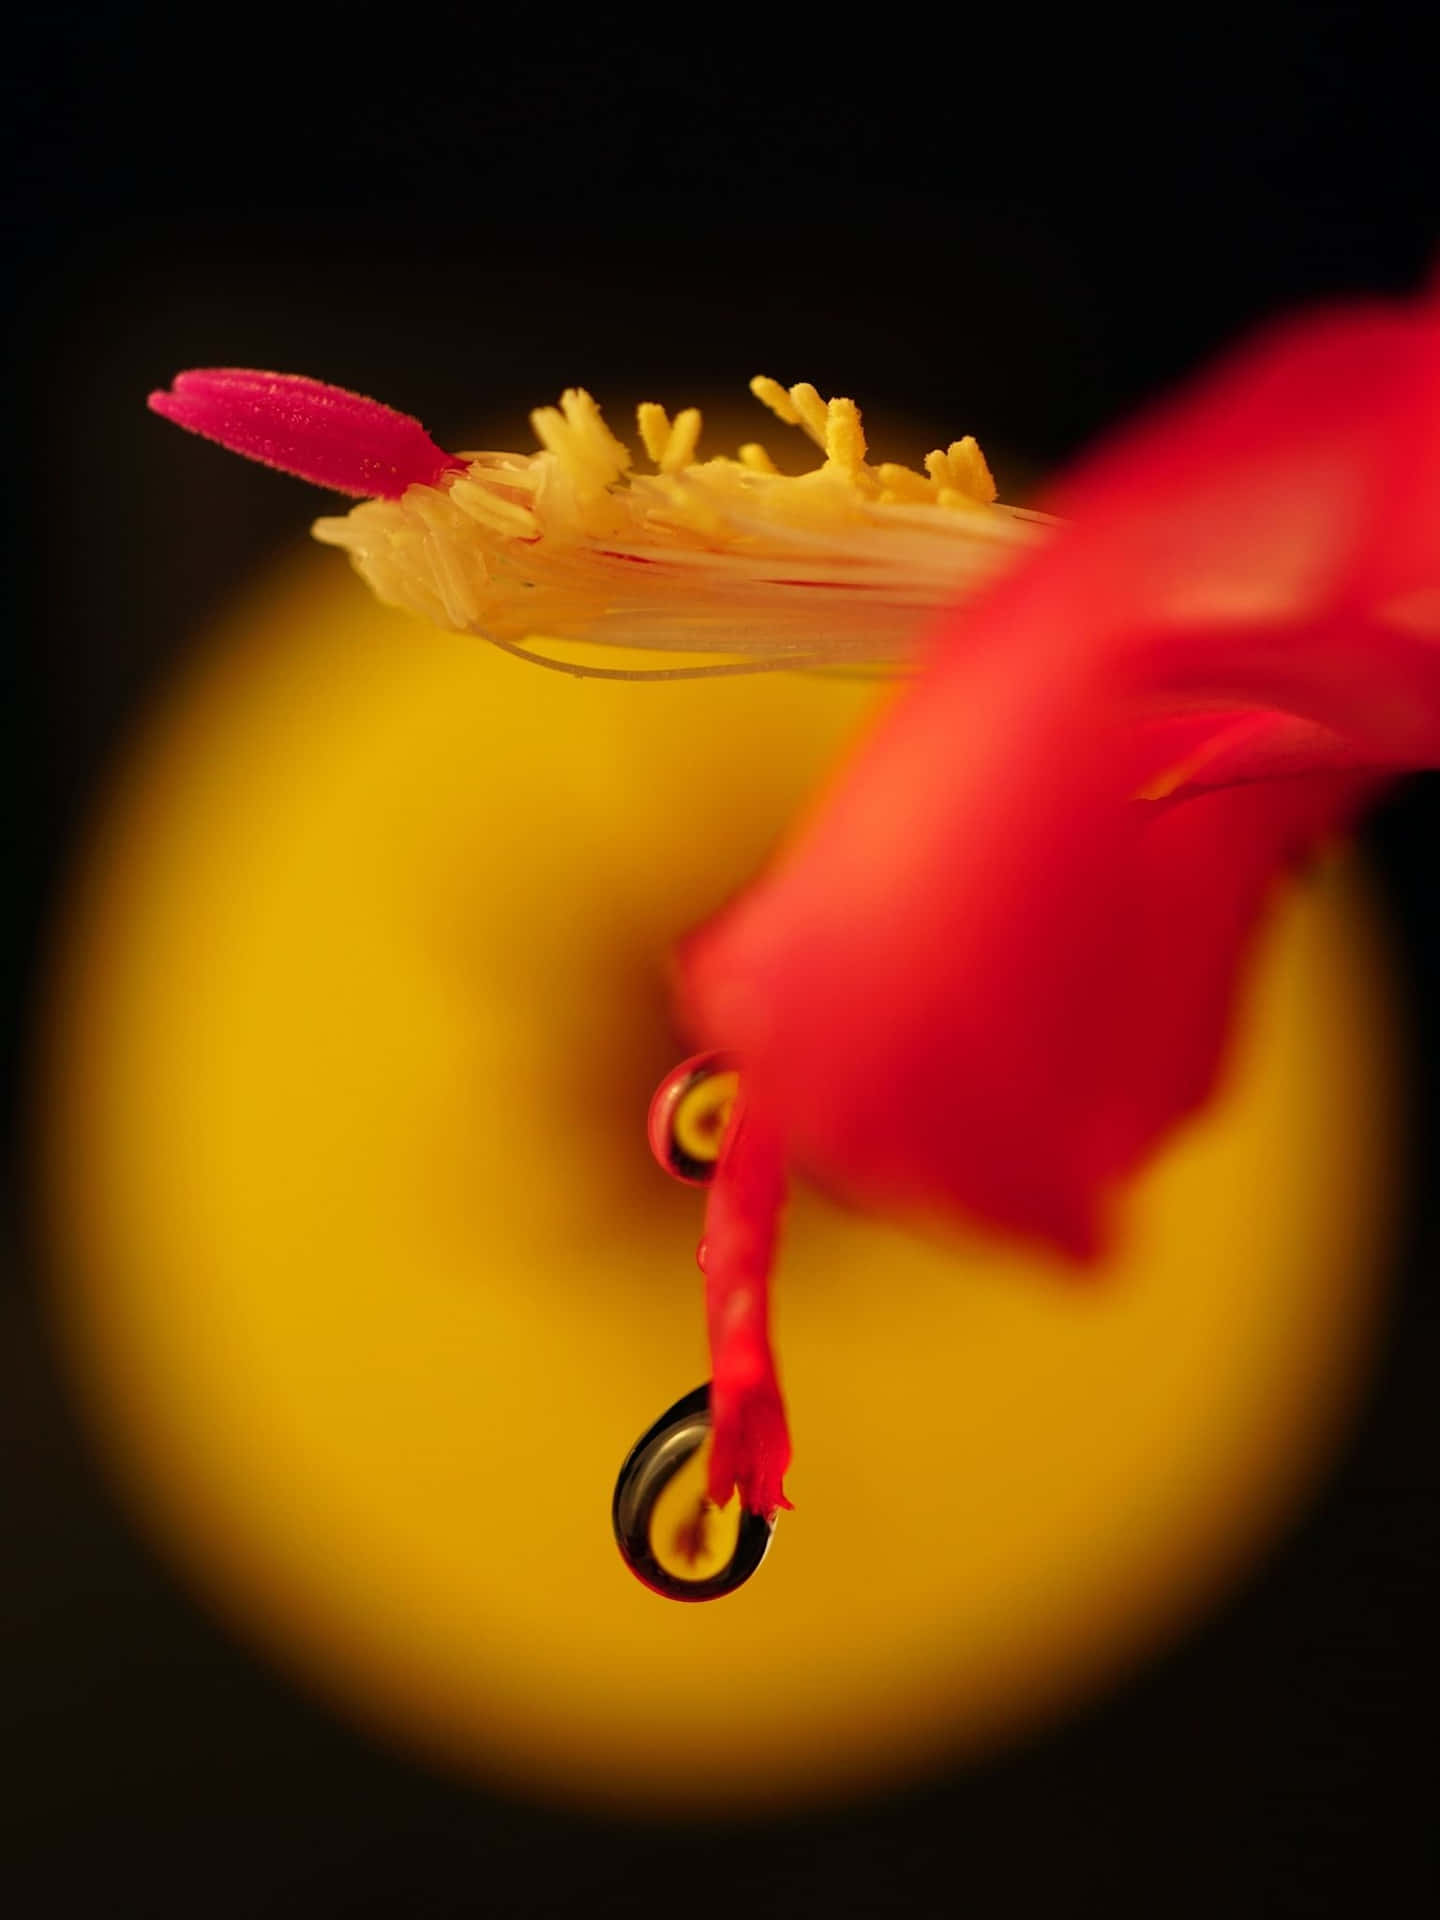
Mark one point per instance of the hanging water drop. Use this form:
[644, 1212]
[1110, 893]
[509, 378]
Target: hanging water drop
[670, 1535]
[689, 1114]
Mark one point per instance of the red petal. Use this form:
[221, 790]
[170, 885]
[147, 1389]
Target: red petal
[750, 1446]
[989, 977]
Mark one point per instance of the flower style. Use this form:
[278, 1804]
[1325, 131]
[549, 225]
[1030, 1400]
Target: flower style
[997, 967]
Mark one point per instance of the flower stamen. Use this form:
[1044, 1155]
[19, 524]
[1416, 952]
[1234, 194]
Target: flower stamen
[725, 562]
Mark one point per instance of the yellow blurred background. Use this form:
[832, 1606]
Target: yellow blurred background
[367, 1279]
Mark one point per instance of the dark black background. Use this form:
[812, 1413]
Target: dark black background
[1023, 234]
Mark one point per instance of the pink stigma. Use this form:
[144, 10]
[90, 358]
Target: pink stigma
[320, 433]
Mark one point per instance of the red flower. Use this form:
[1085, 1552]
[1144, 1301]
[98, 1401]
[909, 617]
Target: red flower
[999, 965]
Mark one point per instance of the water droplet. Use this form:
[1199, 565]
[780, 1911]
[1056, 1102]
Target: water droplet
[689, 1114]
[670, 1535]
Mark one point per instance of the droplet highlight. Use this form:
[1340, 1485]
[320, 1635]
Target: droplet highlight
[672, 1538]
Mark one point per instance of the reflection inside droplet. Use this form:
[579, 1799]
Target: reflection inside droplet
[701, 1115]
[671, 1536]
[689, 1113]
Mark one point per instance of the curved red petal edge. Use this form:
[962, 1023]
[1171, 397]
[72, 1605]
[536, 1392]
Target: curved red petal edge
[320, 433]
[998, 967]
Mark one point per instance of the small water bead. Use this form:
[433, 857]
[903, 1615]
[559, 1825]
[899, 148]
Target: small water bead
[689, 1114]
[670, 1535]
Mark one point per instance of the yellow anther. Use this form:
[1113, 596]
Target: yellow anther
[771, 394]
[654, 424]
[810, 410]
[844, 437]
[970, 470]
[684, 438]
[755, 457]
[548, 426]
[592, 435]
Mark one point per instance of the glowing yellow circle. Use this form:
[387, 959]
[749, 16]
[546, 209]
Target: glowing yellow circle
[370, 1278]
